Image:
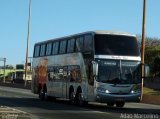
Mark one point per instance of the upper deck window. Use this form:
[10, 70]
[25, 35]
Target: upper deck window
[79, 43]
[55, 48]
[71, 46]
[36, 51]
[49, 49]
[63, 47]
[88, 43]
[43, 50]
[84, 43]
[116, 45]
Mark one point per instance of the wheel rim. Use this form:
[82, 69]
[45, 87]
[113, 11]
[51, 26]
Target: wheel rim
[80, 99]
[72, 98]
[41, 95]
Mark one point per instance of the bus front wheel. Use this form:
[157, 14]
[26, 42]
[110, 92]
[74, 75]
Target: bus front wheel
[120, 104]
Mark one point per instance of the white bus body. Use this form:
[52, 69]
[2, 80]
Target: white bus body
[99, 66]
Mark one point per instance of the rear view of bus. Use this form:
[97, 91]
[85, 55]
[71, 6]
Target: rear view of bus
[116, 68]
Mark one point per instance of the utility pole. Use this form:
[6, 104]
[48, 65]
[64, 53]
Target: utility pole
[26, 64]
[143, 43]
[30, 63]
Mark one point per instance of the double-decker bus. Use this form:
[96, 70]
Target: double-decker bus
[99, 66]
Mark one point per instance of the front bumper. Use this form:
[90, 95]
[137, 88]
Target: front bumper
[105, 98]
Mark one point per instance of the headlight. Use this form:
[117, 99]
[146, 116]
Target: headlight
[136, 89]
[102, 90]
[132, 91]
[107, 91]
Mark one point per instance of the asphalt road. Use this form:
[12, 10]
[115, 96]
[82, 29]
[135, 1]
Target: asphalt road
[28, 103]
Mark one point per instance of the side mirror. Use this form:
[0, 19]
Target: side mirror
[95, 68]
[146, 70]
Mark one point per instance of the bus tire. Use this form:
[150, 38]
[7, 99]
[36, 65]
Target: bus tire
[80, 100]
[120, 104]
[72, 97]
[43, 93]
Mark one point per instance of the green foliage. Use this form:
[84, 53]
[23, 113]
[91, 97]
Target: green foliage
[152, 56]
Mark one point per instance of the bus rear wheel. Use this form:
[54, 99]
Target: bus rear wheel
[43, 94]
[120, 104]
[80, 100]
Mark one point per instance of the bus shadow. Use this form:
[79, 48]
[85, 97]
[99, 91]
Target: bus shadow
[60, 104]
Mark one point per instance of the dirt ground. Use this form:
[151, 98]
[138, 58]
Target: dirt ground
[151, 99]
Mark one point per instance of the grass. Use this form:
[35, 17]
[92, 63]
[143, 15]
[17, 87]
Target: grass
[149, 91]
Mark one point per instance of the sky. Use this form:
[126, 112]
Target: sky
[57, 18]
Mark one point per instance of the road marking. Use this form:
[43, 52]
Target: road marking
[12, 113]
[77, 111]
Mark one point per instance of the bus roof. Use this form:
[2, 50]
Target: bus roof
[89, 32]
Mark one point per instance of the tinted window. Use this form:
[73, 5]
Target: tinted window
[71, 46]
[88, 43]
[54, 73]
[42, 51]
[36, 51]
[79, 43]
[62, 47]
[116, 45]
[55, 48]
[49, 49]
[74, 73]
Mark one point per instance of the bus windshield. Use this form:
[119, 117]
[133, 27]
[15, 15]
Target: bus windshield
[119, 45]
[119, 72]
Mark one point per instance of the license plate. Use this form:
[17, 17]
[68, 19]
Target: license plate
[119, 99]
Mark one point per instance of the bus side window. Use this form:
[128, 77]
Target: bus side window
[72, 77]
[61, 73]
[78, 74]
[49, 49]
[79, 43]
[55, 48]
[71, 46]
[36, 51]
[74, 73]
[43, 50]
[63, 45]
[88, 43]
[56, 74]
[51, 73]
